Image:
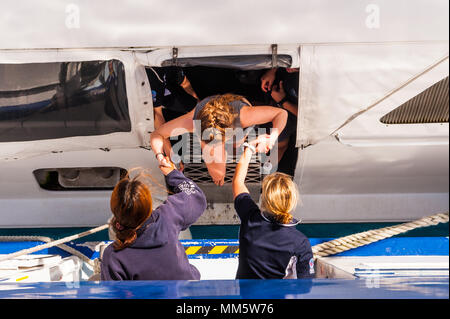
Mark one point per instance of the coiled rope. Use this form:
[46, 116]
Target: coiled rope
[342, 244]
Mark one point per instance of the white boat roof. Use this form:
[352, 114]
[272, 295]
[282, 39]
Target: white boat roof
[86, 24]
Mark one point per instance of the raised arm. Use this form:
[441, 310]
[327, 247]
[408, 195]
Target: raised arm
[279, 96]
[240, 173]
[159, 121]
[175, 127]
[187, 204]
[264, 114]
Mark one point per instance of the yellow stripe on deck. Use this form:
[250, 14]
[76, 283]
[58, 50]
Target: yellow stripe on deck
[217, 249]
[191, 250]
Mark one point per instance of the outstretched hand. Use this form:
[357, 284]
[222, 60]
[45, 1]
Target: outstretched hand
[263, 143]
[267, 80]
[165, 164]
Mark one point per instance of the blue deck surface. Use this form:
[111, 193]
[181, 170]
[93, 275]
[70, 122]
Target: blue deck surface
[385, 288]
[398, 246]
[393, 288]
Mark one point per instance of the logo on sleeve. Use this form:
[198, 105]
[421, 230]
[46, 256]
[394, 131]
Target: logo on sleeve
[187, 187]
[311, 266]
[154, 95]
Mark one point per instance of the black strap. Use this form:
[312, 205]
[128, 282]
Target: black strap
[280, 104]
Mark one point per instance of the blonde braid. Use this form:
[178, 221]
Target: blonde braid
[218, 114]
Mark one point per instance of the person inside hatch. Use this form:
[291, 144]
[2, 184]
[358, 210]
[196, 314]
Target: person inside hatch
[173, 96]
[282, 85]
[213, 118]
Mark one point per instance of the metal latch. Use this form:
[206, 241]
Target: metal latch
[174, 56]
[274, 48]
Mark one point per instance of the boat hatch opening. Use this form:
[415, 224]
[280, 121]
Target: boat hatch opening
[62, 99]
[212, 75]
[196, 170]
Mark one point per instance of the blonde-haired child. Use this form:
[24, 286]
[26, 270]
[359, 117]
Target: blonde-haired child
[270, 246]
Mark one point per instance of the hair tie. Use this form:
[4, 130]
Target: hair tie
[119, 226]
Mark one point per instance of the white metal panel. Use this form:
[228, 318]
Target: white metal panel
[131, 23]
[24, 204]
[337, 82]
[367, 170]
[377, 269]
[368, 130]
[342, 183]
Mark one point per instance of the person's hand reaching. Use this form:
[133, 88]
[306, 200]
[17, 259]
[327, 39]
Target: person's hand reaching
[267, 80]
[262, 144]
[165, 164]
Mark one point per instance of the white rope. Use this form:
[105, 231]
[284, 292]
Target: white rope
[321, 250]
[64, 247]
[51, 243]
[342, 244]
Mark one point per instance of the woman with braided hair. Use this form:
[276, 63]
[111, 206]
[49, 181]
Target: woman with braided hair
[213, 118]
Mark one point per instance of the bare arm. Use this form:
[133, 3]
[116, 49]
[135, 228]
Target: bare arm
[159, 121]
[240, 173]
[176, 127]
[186, 85]
[291, 107]
[264, 114]
[279, 94]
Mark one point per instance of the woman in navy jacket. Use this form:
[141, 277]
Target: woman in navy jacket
[147, 245]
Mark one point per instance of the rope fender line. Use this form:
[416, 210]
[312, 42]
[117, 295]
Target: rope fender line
[329, 248]
[44, 239]
[52, 243]
[342, 244]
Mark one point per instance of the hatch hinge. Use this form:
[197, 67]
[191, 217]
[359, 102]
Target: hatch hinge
[174, 56]
[274, 48]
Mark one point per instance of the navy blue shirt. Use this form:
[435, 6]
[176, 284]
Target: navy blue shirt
[157, 254]
[167, 91]
[267, 249]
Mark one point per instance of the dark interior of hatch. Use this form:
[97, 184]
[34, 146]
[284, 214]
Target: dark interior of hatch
[237, 75]
[230, 74]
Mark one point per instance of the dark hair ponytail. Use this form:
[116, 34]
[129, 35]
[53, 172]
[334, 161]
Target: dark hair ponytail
[131, 205]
